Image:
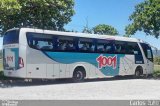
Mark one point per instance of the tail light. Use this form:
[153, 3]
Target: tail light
[21, 63]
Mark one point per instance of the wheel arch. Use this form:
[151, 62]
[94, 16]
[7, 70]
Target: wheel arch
[80, 67]
[139, 68]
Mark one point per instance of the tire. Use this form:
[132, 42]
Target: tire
[78, 75]
[138, 72]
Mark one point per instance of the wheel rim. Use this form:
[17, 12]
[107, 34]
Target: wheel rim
[78, 75]
[137, 74]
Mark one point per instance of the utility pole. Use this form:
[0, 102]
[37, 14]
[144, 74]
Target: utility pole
[86, 27]
[87, 24]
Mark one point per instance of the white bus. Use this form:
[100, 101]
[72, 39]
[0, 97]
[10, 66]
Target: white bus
[35, 53]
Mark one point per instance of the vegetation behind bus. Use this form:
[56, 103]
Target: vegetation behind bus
[157, 60]
[156, 66]
[102, 29]
[43, 14]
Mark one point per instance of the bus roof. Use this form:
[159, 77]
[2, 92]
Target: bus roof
[86, 35]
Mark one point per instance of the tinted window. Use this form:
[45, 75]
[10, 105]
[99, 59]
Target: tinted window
[104, 46]
[40, 41]
[11, 37]
[133, 48]
[86, 45]
[120, 47]
[44, 44]
[66, 44]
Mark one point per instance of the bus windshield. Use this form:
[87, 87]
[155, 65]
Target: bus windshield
[11, 37]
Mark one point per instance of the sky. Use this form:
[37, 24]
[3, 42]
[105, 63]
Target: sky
[111, 12]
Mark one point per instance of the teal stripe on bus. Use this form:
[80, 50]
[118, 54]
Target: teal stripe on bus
[91, 58]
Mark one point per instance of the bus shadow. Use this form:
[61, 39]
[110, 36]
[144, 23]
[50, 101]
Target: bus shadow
[9, 83]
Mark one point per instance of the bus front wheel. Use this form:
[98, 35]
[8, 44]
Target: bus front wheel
[138, 72]
[79, 75]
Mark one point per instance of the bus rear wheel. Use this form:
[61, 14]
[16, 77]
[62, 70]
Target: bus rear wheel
[78, 75]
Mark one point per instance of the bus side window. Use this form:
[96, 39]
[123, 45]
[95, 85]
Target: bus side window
[40, 41]
[47, 45]
[66, 44]
[44, 44]
[117, 48]
[100, 47]
[86, 45]
[104, 46]
[61, 45]
[108, 48]
[133, 48]
[37, 45]
[120, 47]
[137, 50]
[34, 44]
[83, 46]
[70, 45]
[91, 47]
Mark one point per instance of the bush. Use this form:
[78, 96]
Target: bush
[1, 73]
[2, 77]
[157, 60]
[156, 74]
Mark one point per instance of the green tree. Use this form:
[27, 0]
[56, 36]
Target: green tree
[105, 30]
[44, 14]
[146, 18]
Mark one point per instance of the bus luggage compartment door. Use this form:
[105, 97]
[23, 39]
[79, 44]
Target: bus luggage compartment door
[36, 70]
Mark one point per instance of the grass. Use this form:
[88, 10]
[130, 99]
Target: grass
[156, 67]
[156, 73]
